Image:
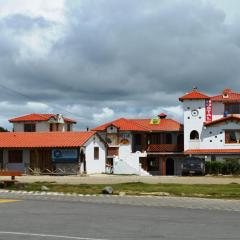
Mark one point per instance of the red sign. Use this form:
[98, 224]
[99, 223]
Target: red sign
[208, 110]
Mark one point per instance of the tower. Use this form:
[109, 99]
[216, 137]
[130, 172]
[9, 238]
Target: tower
[197, 110]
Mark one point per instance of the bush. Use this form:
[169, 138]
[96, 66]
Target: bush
[231, 166]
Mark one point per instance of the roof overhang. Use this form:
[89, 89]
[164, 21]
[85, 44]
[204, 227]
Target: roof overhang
[224, 119]
[212, 151]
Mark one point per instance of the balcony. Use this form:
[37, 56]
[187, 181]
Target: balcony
[165, 148]
[194, 144]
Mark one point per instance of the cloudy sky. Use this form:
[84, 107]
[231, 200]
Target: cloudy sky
[97, 60]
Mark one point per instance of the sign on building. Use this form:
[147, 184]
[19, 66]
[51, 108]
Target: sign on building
[155, 121]
[208, 110]
[62, 155]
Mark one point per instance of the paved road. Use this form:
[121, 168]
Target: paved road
[38, 216]
[150, 201]
[112, 179]
[40, 220]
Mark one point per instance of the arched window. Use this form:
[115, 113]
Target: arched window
[194, 135]
[168, 138]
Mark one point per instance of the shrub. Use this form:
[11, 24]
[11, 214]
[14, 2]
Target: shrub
[230, 166]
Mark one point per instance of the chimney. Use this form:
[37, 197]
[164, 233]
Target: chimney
[162, 115]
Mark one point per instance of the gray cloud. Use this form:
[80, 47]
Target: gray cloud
[132, 57]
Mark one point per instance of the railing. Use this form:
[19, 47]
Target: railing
[165, 148]
[194, 144]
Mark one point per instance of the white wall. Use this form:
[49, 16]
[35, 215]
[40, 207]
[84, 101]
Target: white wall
[213, 137]
[41, 126]
[92, 165]
[193, 123]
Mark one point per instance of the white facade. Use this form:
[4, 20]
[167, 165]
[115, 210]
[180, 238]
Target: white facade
[95, 165]
[192, 123]
[211, 136]
[92, 165]
[42, 126]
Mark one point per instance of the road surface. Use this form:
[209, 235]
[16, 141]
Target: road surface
[67, 219]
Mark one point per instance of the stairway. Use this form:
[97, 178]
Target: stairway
[122, 167]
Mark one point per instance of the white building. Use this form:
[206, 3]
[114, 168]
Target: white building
[211, 125]
[42, 123]
[53, 152]
[144, 146]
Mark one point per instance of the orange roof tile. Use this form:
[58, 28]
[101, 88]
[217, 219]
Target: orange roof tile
[227, 96]
[123, 124]
[142, 125]
[38, 117]
[165, 124]
[224, 119]
[194, 94]
[212, 151]
[43, 139]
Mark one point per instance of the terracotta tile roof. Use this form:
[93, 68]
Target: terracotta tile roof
[43, 139]
[194, 94]
[142, 125]
[224, 119]
[212, 151]
[227, 96]
[123, 124]
[38, 117]
[165, 148]
[165, 124]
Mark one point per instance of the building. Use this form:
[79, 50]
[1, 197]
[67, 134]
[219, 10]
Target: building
[42, 123]
[211, 125]
[144, 146]
[52, 152]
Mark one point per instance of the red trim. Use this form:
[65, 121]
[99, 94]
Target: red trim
[212, 151]
[224, 119]
[194, 95]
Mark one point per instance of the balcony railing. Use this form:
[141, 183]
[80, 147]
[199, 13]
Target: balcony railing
[165, 148]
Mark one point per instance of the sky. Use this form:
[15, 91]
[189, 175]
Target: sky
[98, 60]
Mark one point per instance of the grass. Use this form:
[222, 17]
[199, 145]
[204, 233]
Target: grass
[225, 191]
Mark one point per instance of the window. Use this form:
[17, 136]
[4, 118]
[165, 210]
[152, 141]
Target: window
[30, 127]
[15, 156]
[51, 127]
[232, 108]
[168, 138]
[213, 158]
[68, 127]
[194, 135]
[180, 139]
[96, 153]
[232, 136]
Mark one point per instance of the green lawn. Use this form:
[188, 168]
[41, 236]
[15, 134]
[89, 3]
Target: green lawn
[227, 191]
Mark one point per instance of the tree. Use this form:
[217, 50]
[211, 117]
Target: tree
[2, 129]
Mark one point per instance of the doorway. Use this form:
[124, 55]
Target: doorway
[169, 166]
